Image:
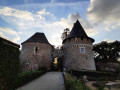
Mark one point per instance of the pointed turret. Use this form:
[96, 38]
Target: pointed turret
[78, 31]
[77, 47]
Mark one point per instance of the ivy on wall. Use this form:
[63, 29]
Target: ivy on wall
[9, 65]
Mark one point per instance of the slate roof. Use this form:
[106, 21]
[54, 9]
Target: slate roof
[38, 37]
[78, 31]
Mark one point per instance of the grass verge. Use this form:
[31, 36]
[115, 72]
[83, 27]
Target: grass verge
[74, 84]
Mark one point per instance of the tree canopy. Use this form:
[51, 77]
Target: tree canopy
[107, 52]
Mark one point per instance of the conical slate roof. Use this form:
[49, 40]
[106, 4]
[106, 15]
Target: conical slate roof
[77, 31]
[37, 37]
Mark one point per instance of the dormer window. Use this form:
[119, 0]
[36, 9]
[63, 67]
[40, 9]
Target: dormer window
[82, 50]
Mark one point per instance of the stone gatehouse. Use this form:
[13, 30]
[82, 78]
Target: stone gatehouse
[76, 50]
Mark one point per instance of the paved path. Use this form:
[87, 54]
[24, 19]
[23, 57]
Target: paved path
[49, 81]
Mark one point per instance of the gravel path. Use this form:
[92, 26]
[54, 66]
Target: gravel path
[49, 81]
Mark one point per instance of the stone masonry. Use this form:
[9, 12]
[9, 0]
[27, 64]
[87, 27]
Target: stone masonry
[31, 60]
[35, 55]
[76, 51]
[73, 59]
[77, 48]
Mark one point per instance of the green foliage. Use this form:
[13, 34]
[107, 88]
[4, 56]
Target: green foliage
[74, 84]
[9, 65]
[26, 77]
[106, 52]
[92, 75]
[100, 87]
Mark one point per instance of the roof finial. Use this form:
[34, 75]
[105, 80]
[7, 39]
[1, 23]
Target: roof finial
[77, 21]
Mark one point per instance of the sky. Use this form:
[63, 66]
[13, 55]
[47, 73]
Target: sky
[20, 19]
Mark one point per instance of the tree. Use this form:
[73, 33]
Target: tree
[106, 52]
[65, 33]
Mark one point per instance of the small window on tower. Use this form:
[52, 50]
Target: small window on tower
[36, 49]
[82, 50]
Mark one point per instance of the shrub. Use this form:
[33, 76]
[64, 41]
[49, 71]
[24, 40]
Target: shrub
[93, 75]
[74, 84]
[9, 65]
[26, 77]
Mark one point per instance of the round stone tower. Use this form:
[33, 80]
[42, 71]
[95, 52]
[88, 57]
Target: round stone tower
[36, 53]
[77, 48]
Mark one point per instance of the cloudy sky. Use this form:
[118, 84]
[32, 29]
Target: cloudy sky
[19, 19]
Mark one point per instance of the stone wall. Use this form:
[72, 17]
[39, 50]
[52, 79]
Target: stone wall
[74, 59]
[57, 53]
[31, 59]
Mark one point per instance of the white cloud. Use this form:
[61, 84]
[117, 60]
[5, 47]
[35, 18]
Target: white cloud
[24, 19]
[108, 40]
[44, 12]
[104, 11]
[91, 32]
[56, 39]
[24, 15]
[2, 35]
[7, 30]
[33, 21]
[69, 22]
[104, 16]
[10, 32]
[58, 27]
[16, 39]
[37, 22]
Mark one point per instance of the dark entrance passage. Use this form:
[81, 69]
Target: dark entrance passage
[57, 64]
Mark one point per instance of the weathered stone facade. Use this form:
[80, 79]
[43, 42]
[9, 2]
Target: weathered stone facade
[76, 51]
[33, 60]
[36, 53]
[74, 59]
[57, 53]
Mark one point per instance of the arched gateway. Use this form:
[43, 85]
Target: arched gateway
[57, 59]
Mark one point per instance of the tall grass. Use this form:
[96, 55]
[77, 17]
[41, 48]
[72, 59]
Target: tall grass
[74, 84]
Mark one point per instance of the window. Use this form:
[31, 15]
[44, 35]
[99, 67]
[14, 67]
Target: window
[36, 50]
[82, 50]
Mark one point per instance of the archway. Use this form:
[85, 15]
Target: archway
[57, 64]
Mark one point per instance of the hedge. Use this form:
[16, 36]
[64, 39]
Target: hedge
[26, 77]
[93, 75]
[9, 65]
